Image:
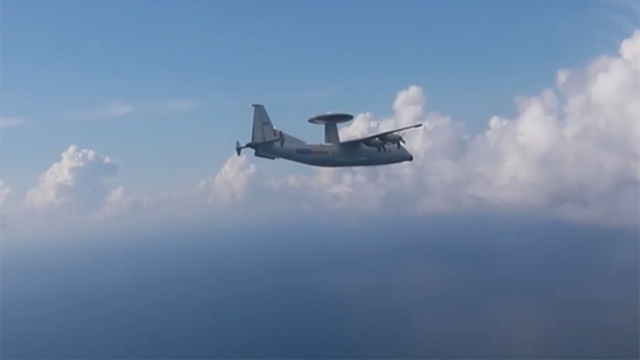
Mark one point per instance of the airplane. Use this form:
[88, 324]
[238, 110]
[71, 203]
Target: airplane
[371, 150]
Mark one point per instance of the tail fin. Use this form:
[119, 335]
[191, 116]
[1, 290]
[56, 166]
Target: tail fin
[262, 127]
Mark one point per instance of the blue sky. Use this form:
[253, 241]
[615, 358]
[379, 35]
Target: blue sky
[298, 57]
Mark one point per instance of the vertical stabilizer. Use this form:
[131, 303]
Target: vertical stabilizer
[331, 135]
[262, 126]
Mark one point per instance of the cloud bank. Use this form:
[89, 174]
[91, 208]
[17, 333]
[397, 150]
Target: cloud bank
[571, 152]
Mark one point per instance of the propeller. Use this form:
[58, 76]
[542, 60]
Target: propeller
[392, 139]
[281, 138]
[239, 148]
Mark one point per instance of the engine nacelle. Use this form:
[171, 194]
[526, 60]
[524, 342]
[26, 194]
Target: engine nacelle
[374, 142]
[391, 138]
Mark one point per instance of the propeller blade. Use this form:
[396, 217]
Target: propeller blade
[239, 148]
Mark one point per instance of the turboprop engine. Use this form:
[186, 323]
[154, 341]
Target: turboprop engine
[381, 141]
[393, 139]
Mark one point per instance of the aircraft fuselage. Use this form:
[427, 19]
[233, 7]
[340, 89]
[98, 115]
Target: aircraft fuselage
[332, 155]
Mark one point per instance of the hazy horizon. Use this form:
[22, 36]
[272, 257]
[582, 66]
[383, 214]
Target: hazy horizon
[462, 288]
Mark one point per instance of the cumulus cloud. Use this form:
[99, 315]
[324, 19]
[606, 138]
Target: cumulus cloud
[75, 183]
[231, 184]
[572, 150]
[212, 198]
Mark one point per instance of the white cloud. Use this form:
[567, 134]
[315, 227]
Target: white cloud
[572, 151]
[231, 184]
[112, 110]
[75, 183]
[7, 122]
[118, 108]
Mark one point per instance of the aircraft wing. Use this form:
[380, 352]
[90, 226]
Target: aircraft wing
[369, 137]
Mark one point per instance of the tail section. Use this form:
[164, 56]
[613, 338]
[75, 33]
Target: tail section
[263, 129]
[263, 133]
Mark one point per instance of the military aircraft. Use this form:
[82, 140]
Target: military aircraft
[372, 150]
